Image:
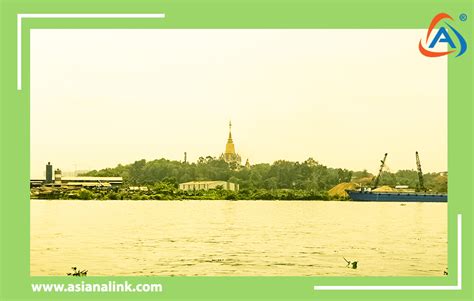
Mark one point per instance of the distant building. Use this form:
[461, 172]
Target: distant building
[206, 185]
[57, 177]
[36, 183]
[92, 181]
[49, 173]
[401, 187]
[138, 188]
[84, 182]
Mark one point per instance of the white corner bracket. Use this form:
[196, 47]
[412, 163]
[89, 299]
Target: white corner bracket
[456, 287]
[20, 17]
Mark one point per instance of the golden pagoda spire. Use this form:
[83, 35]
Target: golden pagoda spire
[230, 132]
[230, 156]
[229, 147]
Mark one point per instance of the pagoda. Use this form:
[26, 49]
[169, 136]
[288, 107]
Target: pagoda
[230, 156]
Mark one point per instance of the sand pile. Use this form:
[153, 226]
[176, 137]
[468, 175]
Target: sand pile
[384, 189]
[340, 189]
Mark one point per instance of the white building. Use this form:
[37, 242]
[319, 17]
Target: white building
[206, 185]
[91, 181]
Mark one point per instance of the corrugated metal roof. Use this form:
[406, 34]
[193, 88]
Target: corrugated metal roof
[93, 179]
[88, 184]
[203, 182]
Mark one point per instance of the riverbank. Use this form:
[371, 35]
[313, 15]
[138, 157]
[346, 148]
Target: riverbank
[150, 194]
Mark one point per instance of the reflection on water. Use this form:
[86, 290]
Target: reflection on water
[238, 238]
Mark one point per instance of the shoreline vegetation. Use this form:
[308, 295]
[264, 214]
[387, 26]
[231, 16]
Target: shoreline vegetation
[282, 180]
[209, 195]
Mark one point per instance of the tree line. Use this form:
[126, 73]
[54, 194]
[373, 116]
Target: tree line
[304, 177]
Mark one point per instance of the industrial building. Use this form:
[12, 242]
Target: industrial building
[49, 173]
[206, 185]
[92, 181]
[56, 179]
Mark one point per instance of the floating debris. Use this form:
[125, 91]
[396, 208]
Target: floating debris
[77, 272]
[351, 264]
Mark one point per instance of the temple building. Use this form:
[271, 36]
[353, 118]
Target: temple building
[230, 156]
[247, 164]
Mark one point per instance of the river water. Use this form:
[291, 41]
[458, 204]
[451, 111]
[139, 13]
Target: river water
[238, 238]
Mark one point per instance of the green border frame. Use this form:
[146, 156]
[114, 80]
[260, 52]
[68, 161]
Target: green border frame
[15, 281]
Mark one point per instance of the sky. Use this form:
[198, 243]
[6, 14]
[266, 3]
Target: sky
[100, 97]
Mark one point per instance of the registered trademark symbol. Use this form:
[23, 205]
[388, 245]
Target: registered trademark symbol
[463, 17]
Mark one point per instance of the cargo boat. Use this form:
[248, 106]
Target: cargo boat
[372, 196]
[368, 195]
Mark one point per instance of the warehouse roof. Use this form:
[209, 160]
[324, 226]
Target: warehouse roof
[92, 179]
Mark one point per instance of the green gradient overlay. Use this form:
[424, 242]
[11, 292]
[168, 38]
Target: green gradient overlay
[15, 277]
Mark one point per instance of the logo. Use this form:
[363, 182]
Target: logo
[455, 41]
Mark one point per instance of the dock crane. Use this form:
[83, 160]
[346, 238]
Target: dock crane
[421, 184]
[377, 179]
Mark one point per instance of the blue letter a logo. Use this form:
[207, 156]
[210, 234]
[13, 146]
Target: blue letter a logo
[442, 36]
